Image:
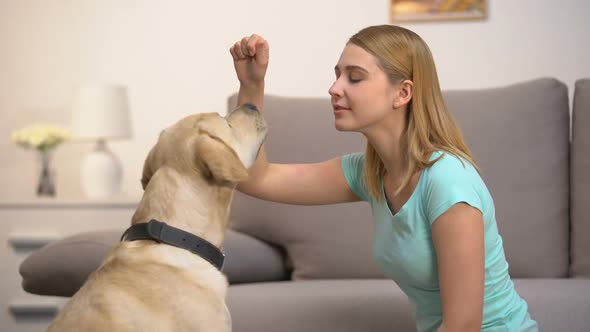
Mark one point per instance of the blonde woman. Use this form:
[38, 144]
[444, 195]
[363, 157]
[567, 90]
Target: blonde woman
[436, 233]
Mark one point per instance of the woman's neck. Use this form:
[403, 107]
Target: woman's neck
[388, 140]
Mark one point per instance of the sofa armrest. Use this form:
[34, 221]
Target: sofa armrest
[60, 268]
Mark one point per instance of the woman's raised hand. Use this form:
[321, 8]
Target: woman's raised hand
[250, 56]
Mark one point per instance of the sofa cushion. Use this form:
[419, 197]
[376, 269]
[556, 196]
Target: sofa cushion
[518, 133]
[380, 306]
[60, 268]
[320, 306]
[580, 180]
[557, 304]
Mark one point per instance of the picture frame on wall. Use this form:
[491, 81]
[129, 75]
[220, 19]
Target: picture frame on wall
[437, 10]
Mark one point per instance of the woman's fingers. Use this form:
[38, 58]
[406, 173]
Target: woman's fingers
[250, 55]
[237, 51]
[249, 47]
[244, 46]
[260, 47]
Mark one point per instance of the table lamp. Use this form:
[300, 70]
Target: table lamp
[101, 113]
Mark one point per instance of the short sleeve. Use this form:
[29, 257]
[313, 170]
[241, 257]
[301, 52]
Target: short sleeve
[352, 167]
[450, 181]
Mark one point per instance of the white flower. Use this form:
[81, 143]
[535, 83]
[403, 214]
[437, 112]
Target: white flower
[40, 136]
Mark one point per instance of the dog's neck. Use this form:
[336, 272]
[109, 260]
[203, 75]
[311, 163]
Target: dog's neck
[189, 203]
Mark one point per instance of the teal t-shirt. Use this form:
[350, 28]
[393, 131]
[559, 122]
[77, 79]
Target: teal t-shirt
[404, 250]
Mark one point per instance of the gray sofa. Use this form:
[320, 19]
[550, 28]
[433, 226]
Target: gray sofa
[310, 268]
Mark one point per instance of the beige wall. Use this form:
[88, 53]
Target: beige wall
[173, 55]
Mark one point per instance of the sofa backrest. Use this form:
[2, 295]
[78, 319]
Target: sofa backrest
[519, 134]
[580, 181]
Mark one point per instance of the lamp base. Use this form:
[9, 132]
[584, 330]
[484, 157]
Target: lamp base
[102, 173]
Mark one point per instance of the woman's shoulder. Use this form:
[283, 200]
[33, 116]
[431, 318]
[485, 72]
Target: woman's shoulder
[353, 162]
[449, 168]
[353, 167]
[452, 179]
[358, 156]
[448, 163]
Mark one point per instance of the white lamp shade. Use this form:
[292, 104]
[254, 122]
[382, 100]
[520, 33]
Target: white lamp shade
[101, 112]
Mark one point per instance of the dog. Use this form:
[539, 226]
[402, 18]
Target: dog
[189, 177]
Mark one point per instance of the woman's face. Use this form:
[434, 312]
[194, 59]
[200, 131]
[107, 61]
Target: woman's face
[362, 95]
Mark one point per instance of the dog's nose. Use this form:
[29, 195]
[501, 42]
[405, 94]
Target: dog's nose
[250, 106]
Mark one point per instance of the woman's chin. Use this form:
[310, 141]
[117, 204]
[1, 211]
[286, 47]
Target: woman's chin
[342, 127]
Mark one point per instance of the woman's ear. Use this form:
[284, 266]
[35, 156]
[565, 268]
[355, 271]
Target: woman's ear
[404, 94]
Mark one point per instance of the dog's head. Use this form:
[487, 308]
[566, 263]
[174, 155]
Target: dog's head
[220, 149]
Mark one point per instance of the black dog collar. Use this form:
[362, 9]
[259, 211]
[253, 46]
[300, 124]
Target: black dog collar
[163, 233]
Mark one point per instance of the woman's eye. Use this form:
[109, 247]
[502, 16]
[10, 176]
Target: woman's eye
[354, 79]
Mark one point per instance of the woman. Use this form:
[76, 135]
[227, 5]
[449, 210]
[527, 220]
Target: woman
[435, 229]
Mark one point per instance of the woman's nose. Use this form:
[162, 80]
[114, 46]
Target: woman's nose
[335, 90]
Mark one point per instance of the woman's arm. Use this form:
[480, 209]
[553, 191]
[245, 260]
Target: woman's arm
[251, 56]
[458, 236]
[306, 184]
[301, 184]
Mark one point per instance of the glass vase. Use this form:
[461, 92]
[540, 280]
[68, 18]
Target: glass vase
[46, 181]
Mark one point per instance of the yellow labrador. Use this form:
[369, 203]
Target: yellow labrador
[188, 180]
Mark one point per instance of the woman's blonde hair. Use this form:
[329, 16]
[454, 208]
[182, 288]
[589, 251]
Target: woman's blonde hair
[403, 55]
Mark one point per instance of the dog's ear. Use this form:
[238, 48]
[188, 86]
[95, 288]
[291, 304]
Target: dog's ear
[220, 160]
[147, 169]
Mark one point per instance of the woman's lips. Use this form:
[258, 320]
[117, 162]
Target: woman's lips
[339, 110]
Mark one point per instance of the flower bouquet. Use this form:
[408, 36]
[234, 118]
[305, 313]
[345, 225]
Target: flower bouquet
[43, 138]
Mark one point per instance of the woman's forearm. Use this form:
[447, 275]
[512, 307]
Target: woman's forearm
[250, 56]
[252, 93]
